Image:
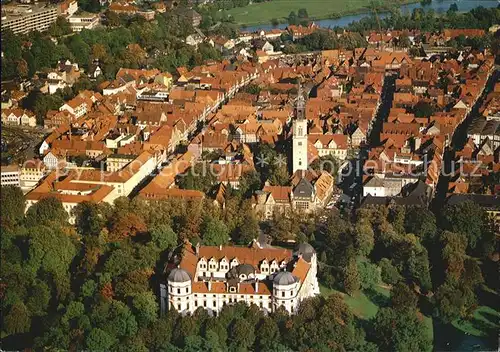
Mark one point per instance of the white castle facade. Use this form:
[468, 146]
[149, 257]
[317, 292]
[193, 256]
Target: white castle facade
[211, 277]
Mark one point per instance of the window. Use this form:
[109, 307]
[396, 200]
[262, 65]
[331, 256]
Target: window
[179, 291]
[187, 289]
[178, 307]
[282, 294]
[215, 304]
[205, 304]
[299, 144]
[187, 307]
[196, 303]
[232, 289]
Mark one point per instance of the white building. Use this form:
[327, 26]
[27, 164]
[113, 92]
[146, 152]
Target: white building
[22, 19]
[211, 277]
[382, 185]
[31, 173]
[299, 139]
[10, 175]
[84, 20]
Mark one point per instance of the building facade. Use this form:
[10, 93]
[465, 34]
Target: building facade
[22, 19]
[211, 277]
[10, 175]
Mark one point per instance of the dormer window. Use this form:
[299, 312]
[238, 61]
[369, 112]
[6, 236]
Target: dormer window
[232, 289]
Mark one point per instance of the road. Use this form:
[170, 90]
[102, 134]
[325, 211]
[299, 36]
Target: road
[352, 174]
[19, 143]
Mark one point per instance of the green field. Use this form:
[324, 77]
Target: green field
[264, 12]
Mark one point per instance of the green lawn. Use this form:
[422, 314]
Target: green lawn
[264, 12]
[484, 322]
[363, 304]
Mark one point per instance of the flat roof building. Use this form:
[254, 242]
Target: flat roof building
[22, 18]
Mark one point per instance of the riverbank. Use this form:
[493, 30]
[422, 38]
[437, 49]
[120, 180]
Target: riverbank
[264, 12]
[325, 19]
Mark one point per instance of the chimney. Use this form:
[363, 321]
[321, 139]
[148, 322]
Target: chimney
[220, 247]
[256, 285]
[209, 284]
[197, 249]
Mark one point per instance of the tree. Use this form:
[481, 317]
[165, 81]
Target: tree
[146, 308]
[99, 52]
[163, 236]
[395, 330]
[369, 274]
[390, 274]
[214, 232]
[403, 298]
[327, 163]
[278, 175]
[252, 89]
[46, 211]
[302, 13]
[241, 334]
[466, 218]
[53, 251]
[38, 301]
[267, 333]
[18, 320]
[421, 222]
[423, 109]
[127, 225]
[60, 27]
[351, 277]
[12, 205]
[80, 49]
[22, 68]
[99, 340]
[452, 10]
[364, 236]
[248, 229]
[89, 218]
[249, 183]
[198, 177]
[454, 301]
[292, 18]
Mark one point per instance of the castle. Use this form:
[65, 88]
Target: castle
[269, 277]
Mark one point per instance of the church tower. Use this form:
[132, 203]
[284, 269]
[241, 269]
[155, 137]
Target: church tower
[299, 139]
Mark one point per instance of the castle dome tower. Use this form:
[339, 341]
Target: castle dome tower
[179, 290]
[285, 289]
[299, 138]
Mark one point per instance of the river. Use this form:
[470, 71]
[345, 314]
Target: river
[440, 6]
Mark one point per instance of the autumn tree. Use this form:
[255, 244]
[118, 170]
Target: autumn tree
[125, 226]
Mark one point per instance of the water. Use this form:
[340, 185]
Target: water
[440, 6]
